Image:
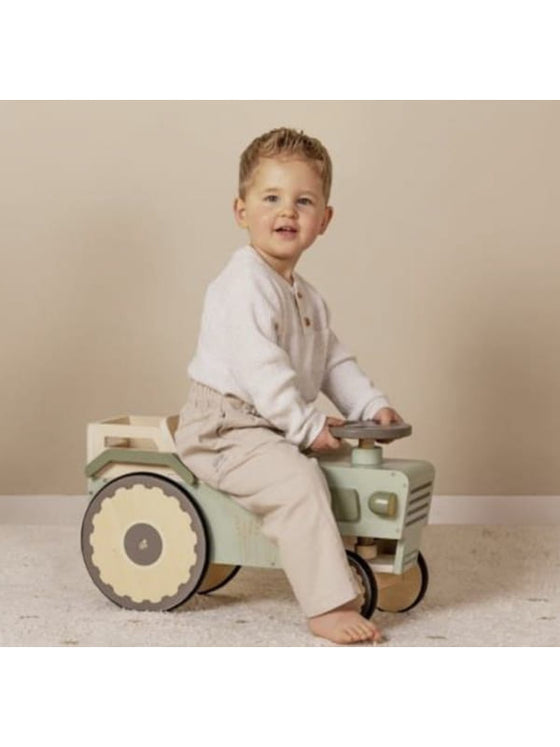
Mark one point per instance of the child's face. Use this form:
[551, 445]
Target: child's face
[284, 210]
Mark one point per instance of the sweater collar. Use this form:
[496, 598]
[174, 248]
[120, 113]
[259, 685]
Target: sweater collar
[293, 287]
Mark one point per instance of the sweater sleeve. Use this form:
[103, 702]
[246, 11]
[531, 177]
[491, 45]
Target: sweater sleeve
[347, 386]
[261, 367]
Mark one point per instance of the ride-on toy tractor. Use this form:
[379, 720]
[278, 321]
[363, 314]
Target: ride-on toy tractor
[153, 534]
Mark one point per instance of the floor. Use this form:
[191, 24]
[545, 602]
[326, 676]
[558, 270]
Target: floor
[489, 586]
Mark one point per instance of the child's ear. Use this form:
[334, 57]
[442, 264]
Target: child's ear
[326, 219]
[239, 211]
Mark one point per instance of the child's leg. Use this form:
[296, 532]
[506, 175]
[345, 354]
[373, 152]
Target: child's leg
[235, 451]
[288, 490]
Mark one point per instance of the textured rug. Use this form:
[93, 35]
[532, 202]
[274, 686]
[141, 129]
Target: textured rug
[489, 586]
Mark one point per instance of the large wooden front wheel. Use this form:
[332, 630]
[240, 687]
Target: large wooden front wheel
[144, 542]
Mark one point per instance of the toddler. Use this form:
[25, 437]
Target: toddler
[265, 351]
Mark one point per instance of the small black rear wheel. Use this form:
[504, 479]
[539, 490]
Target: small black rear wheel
[366, 582]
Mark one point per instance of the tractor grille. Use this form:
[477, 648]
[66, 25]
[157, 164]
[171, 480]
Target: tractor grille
[409, 559]
[418, 504]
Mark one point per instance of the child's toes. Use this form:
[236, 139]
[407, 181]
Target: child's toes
[376, 634]
[353, 633]
[361, 632]
[368, 632]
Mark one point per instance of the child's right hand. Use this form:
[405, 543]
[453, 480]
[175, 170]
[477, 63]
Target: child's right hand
[325, 441]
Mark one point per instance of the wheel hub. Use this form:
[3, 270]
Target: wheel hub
[143, 544]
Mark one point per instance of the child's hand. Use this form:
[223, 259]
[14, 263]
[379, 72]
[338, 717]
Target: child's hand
[325, 441]
[386, 416]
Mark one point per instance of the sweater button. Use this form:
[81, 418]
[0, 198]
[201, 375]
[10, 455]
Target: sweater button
[306, 321]
[299, 295]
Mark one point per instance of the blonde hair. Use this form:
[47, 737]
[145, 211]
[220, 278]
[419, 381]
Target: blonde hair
[285, 141]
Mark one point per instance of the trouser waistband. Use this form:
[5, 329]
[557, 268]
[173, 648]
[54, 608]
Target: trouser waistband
[201, 395]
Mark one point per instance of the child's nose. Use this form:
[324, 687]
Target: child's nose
[288, 208]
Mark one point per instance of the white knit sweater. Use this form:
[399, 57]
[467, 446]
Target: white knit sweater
[269, 343]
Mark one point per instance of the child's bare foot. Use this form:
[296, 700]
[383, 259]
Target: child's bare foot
[344, 625]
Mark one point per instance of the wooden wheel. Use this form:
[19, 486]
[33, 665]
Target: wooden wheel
[144, 542]
[402, 593]
[217, 575]
[366, 582]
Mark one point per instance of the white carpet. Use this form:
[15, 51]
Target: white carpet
[489, 586]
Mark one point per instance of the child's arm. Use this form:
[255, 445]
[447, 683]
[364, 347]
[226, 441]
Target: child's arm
[345, 384]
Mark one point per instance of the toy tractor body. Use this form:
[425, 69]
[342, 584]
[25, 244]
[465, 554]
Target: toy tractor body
[153, 534]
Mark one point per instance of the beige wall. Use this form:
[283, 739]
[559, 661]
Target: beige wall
[441, 267]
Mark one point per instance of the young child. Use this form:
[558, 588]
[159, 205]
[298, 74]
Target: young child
[265, 350]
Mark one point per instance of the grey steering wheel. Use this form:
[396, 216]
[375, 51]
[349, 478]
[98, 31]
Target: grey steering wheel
[370, 430]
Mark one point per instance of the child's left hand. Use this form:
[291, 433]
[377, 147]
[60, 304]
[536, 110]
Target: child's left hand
[386, 416]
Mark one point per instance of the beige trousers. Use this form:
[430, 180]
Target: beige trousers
[228, 445]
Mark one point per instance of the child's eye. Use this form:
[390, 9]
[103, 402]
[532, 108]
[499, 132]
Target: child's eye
[305, 201]
[271, 198]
